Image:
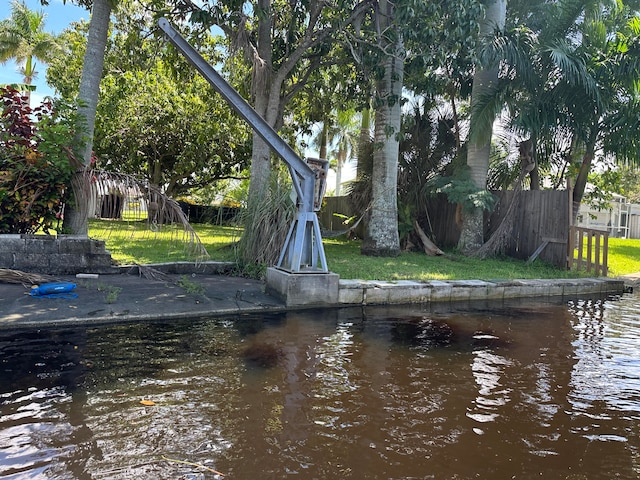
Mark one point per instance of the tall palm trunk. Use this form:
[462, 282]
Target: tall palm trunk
[76, 216]
[341, 160]
[89, 89]
[364, 141]
[472, 235]
[382, 238]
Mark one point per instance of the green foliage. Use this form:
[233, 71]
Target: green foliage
[567, 75]
[190, 286]
[427, 149]
[111, 293]
[622, 180]
[178, 135]
[629, 185]
[441, 37]
[461, 189]
[23, 39]
[266, 226]
[406, 217]
[156, 117]
[35, 167]
[604, 185]
[65, 69]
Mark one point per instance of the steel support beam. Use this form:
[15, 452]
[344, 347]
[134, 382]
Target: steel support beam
[303, 248]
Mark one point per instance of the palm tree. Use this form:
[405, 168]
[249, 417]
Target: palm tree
[611, 46]
[485, 81]
[345, 136]
[22, 39]
[92, 70]
[570, 71]
[566, 73]
[382, 237]
[341, 131]
[75, 218]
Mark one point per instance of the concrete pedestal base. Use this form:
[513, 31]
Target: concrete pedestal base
[300, 289]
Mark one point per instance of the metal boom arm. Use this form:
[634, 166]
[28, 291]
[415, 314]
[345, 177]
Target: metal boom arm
[303, 247]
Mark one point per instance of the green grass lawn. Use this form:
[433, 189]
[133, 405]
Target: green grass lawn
[344, 259]
[624, 256]
[133, 242]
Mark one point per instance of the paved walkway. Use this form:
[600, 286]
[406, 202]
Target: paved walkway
[124, 297]
[120, 297]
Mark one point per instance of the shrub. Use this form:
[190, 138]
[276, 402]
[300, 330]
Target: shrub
[35, 163]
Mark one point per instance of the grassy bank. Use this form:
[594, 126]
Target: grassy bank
[131, 242]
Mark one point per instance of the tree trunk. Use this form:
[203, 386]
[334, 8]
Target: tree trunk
[363, 142]
[88, 103]
[472, 234]
[89, 89]
[342, 156]
[527, 150]
[323, 140]
[581, 178]
[262, 91]
[534, 175]
[382, 238]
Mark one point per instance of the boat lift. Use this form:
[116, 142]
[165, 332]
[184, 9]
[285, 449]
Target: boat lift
[303, 251]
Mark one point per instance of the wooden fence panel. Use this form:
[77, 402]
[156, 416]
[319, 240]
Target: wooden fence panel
[441, 220]
[331, 222]
[542, 216]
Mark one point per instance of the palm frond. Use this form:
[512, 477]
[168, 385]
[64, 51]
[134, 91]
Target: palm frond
[8, 275]
[572, 69]
[485, 108]
[146, 201]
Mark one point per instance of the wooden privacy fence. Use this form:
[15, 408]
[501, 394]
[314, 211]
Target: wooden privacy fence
[592, 250]
[540, 225]
[540, 228]
[335, 215]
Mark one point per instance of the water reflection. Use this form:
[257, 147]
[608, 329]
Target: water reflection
[487, 370]
[518, 392]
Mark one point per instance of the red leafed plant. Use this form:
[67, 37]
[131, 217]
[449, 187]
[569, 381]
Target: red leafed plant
[35, 163]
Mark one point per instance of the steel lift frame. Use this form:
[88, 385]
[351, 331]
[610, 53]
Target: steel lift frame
[303, 251]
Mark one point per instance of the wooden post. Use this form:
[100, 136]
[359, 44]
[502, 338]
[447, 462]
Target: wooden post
[605, 256]
[597, 256]
[580, 246]
[571, 245]
[589, 251]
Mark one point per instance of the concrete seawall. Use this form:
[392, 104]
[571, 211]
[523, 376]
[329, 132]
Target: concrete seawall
[359, 292]
[130, 296]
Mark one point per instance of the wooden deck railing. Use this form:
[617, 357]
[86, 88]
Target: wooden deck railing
[592, 250]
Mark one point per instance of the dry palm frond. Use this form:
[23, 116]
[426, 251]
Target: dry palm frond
[151, 273]
[16, 276]
[499, 240]
[106, 192]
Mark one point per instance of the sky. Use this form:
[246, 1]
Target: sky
[58, 17]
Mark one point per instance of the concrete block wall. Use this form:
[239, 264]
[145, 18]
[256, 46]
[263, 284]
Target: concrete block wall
[360, 292]
[61, 255]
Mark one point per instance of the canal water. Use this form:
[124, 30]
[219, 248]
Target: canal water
[523, 391]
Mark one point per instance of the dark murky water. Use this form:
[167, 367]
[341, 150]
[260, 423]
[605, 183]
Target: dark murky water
[529, 391]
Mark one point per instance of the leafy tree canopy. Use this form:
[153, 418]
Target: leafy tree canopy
[171, 128]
